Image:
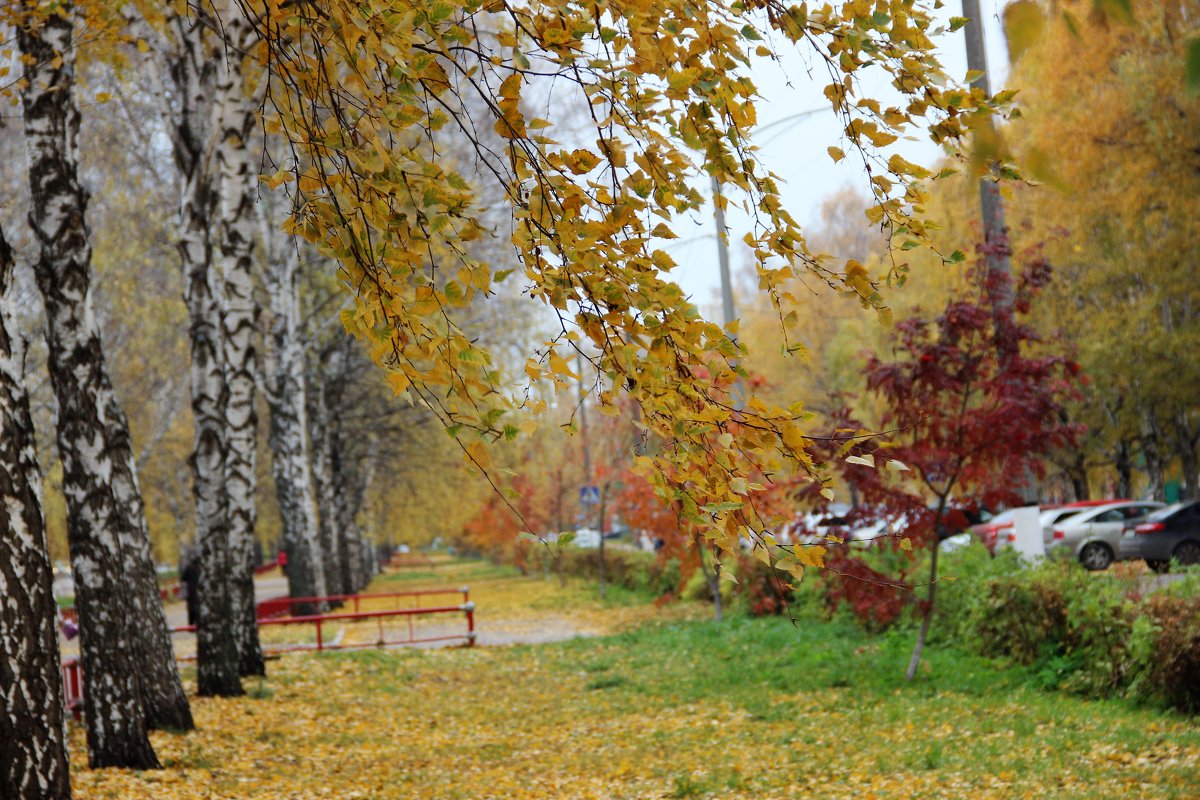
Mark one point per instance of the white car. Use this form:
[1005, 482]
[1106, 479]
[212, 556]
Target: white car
[1094, 535]
[1053, 517]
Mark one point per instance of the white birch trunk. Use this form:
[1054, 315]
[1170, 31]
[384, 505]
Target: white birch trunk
[289, 446]
[193, 75]
[113, 651]
[322, 471]
[236, 118]
[33, 748]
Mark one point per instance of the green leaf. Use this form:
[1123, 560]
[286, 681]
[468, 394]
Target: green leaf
[1191, 78]
[1116, 10]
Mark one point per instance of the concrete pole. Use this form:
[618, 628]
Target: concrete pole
[991, 205]
[727, 310]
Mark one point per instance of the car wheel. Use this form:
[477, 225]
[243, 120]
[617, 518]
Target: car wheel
[1187, 553]
[1159, 565]
[1095, 556]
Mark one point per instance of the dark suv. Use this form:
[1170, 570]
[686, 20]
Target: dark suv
[1170, 533]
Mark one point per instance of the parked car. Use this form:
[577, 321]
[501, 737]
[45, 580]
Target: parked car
[989, 532]
[1052, 516]
[1094, 535]
[1170, 533]
[997, 531]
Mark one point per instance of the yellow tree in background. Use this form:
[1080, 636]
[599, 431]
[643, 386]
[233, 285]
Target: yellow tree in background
[1110, 126]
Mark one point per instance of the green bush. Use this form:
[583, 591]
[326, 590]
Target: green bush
[1072, 628]
[1171, 651]
[634, 570]
[1093, 635]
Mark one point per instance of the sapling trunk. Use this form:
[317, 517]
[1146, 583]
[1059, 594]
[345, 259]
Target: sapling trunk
[919, 647]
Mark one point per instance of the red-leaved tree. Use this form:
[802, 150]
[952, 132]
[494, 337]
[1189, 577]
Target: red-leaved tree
[974, 402]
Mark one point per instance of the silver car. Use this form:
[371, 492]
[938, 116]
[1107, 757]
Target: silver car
[1094, 535]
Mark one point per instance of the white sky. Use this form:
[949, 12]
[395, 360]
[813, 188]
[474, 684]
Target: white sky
[797, 152]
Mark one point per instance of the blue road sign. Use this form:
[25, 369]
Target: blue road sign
[589, 495]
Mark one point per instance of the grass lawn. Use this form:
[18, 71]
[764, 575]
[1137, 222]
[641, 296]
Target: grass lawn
[677, 708]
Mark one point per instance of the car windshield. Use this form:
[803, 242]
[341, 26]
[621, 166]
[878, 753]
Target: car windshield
[1058, 515]
[1163, 513]
[1001, 518]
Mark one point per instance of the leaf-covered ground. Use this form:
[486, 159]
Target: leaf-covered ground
[673, 707]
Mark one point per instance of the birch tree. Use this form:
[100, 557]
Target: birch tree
[130, 672]
[33, 750]
[291, 462]
[237, 169]
[193, 68]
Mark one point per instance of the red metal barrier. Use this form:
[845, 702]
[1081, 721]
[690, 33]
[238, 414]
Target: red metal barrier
[406, 561]
[72, 678]
[279, 606]
[267, 567]
[320, 620]
[72, 673]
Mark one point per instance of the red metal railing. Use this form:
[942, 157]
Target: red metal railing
[267, 567]
[321, 620]
[405, 560]
[72, 678]
[279, 606]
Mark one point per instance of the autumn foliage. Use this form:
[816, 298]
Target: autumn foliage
[971, 399]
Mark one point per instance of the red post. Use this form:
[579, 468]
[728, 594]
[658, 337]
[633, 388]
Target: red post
[470, 609]
[320, 646]
[356, 604]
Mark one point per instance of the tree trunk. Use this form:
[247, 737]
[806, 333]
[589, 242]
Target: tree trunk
[1154, 457]
[33, 747]
[322, 471]
[712, 579]
[192, 72]
[98, 518]
[1079, 480]
[345, 529]
[1123, 463]
[362, 510]
[1186, 436]
[289, 421]
[600, 527]
[236, 114]
[923, 633]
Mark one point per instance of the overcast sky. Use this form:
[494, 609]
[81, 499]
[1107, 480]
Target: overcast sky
[796, 151]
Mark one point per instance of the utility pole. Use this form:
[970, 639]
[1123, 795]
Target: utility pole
[727, 310]
[991, 205]
[723, 253]
[991, 208]
[587, 467]
[583, 426]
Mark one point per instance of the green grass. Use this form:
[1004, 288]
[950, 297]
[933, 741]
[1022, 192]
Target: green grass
[778, 672]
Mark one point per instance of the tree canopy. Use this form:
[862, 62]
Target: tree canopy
[367, 96]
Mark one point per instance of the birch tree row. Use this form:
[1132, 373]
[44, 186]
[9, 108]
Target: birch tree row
[211, 105]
